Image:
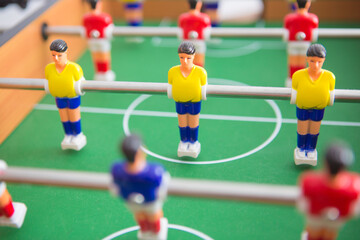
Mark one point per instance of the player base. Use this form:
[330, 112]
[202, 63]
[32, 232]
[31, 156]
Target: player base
[193, 150]
[107, 76]
[76, 142]
[162, 235]
[17, 219]
[300, 158]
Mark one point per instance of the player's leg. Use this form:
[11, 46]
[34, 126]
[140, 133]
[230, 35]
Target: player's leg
[79, 139]
[182, 111]
[140, 218]
[302, 130]
[62, 104]
[6, 205]
[200, 47]
[211, 8]
[314, 129]
[134, 13]
[101, 55]
[193, 120]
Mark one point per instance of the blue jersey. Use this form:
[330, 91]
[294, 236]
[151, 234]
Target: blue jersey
[145, 182]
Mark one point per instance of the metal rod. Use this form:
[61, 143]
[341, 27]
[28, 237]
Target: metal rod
[273, 194]
[341, 95]
[215, 32]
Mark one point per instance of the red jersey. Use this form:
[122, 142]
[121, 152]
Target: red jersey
[189, 22]
[322, 194]
[296, 23]
[95, 24]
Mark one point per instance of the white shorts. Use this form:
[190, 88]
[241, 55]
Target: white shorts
[151, 208]
[99, 45]
[298, 47]
[200, 46]
[318, 222]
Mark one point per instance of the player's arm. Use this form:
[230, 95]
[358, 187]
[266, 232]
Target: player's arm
[79, 78]
[332, 90]
[294, 88]
[203, 83]
[46, 81]
[169, 87]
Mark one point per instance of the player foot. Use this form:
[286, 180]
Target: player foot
[17, 219]
[78, 141]
[162, 235]
[66, 142]
[194, 149]
[301, 157]
[183, 148]
[106, 76]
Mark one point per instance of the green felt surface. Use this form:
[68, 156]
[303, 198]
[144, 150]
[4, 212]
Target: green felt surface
[64, 213]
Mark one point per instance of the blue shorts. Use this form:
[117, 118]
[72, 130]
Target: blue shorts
[192, 108]
[71, 103]
[135, 5]
[312, 114]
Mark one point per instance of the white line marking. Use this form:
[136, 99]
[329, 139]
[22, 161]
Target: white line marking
[51, 107]
[137, 101]
[171, 226]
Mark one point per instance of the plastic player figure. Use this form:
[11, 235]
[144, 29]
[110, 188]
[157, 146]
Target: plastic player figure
[12, 214]
[133, 12]
[187, 86]
[301, 29]
[312, 91]
[63, 81]
[196, 28]
[144, 188]
[211, 9]
[331, 197]
[98, 30]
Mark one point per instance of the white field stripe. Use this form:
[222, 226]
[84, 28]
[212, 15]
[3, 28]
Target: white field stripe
[202, 116]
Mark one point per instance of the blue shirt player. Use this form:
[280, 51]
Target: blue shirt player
[143, 186]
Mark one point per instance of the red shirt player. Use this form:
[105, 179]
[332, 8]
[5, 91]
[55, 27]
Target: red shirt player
[331, 197]
[98, 29]
[196, 27]
[300, 27]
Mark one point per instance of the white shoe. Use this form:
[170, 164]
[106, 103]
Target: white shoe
[78, 141]
[300, 157]
[194, 149]
[304, 235]
[66, 142]
[107, 76]
[162, 235]
[312, 155]
[17, 219]
[183, 148]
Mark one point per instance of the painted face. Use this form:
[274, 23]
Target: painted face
[315, 63]
[186, 60]
[60, 58]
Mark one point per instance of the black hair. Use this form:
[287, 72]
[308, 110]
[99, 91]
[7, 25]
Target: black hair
[192, 3]
[58, 45]
[316, 50]
[93, 3]
[187, 47]
[338, 156]
[130, 146]
[301, 3]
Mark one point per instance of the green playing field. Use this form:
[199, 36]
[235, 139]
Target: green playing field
[243, 140]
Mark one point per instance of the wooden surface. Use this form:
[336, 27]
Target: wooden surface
[326, 10]
[26, 56]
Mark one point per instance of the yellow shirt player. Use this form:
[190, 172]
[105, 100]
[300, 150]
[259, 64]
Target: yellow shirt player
[187, 89]
[312, 90]
[63, 79]
[187, 86]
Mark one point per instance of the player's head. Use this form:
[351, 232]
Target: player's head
[303, 3]
[130, 146]
[195, 4]
[338, 156]
[316, 50]
[58, 45]
[93, 3]
[187, 47]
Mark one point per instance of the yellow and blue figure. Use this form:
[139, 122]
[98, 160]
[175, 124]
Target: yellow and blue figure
[187, 86]
[63, 81]
[312, 90]
[133, 12]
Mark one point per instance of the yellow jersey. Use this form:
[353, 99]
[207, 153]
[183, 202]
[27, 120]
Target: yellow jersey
[62, 84]
[187, 89]
[313, 94]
